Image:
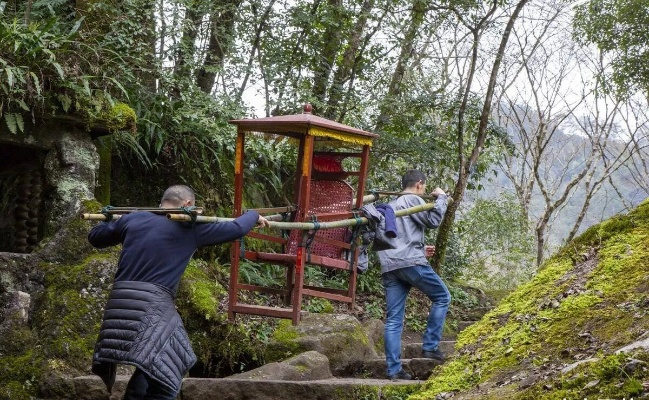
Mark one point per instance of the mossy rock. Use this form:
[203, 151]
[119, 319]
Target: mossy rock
[119, 117]
[222, 347]
[19, 376]
[340, 337]
[100, 111]
[66, 310]
[306, 366]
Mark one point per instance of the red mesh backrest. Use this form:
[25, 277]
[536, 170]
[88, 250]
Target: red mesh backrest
[327, 163]
[326, 197]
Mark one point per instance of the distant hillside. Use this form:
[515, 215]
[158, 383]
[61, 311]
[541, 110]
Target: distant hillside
[560, 335]
[607, 202]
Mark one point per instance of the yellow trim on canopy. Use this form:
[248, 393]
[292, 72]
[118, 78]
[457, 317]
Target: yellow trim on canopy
[342, 136]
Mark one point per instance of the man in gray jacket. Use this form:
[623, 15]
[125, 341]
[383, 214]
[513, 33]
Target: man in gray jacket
[406, 266]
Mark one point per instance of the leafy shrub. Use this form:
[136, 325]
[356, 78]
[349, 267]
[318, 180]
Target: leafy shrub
[318, 305]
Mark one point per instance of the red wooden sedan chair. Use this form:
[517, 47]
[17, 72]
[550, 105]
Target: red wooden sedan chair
[322, 193]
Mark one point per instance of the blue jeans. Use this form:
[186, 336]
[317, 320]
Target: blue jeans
[397, 284]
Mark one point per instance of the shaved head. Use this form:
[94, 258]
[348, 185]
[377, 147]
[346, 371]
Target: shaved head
[177, 196]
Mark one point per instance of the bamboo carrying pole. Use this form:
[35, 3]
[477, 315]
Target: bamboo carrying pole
[307, 225]
[117, 212]
[102, 217]
[379, 194]
[99, 217]
[179, 214]
[157, 210]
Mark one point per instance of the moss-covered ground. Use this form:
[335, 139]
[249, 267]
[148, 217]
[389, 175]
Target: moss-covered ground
[586, 302]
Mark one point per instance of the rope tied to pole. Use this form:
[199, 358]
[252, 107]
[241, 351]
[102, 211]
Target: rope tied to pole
[189, 210]
[375, 195]
[286, 215]
[353, 242]
[106, 211]
[309, 235]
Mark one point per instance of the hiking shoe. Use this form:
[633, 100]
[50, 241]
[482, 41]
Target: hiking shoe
[403, 375]
[434, 354]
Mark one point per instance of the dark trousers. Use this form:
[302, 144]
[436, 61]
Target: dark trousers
[143, 387]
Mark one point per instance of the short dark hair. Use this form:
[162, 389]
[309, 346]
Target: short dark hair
[177, 194]
[411, 177]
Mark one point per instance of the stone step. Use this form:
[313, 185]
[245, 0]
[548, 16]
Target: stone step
[419, 368]
[462, 325]
[92, 388]
[413, 350]
[475, 313]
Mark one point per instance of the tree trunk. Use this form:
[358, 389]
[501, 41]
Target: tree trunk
[255, 47]
[417, 14]
[144, 43]
[293, 59]
[540, 239]
[187, 46]
[221, 38]
[465, 168]
[345, 71]
[326, 57]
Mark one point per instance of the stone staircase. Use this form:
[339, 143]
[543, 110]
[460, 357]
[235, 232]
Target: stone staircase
[366, 381]
[91, 388]
[412, 361]
[369, 381]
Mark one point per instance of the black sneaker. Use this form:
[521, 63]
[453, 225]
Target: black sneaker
[434, 354]
[403, 375]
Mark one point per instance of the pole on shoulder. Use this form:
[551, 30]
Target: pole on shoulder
[99, 217]
[379, 194]
[274, 224]
[110, 213]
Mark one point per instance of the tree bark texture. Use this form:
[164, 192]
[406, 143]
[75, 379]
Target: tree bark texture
[221, 38]
[327, 54]
[346, 70]
[417, 13]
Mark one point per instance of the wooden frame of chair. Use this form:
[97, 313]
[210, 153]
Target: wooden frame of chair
[306, 128]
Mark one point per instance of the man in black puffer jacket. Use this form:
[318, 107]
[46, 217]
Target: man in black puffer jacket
[141, 326]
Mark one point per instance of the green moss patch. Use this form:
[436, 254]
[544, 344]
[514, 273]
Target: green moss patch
[201, 292]
[223, 348]
[615, 376]
[71, 308]
[66, 315]
[284, 343]
[19, 376]
[586, 302]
